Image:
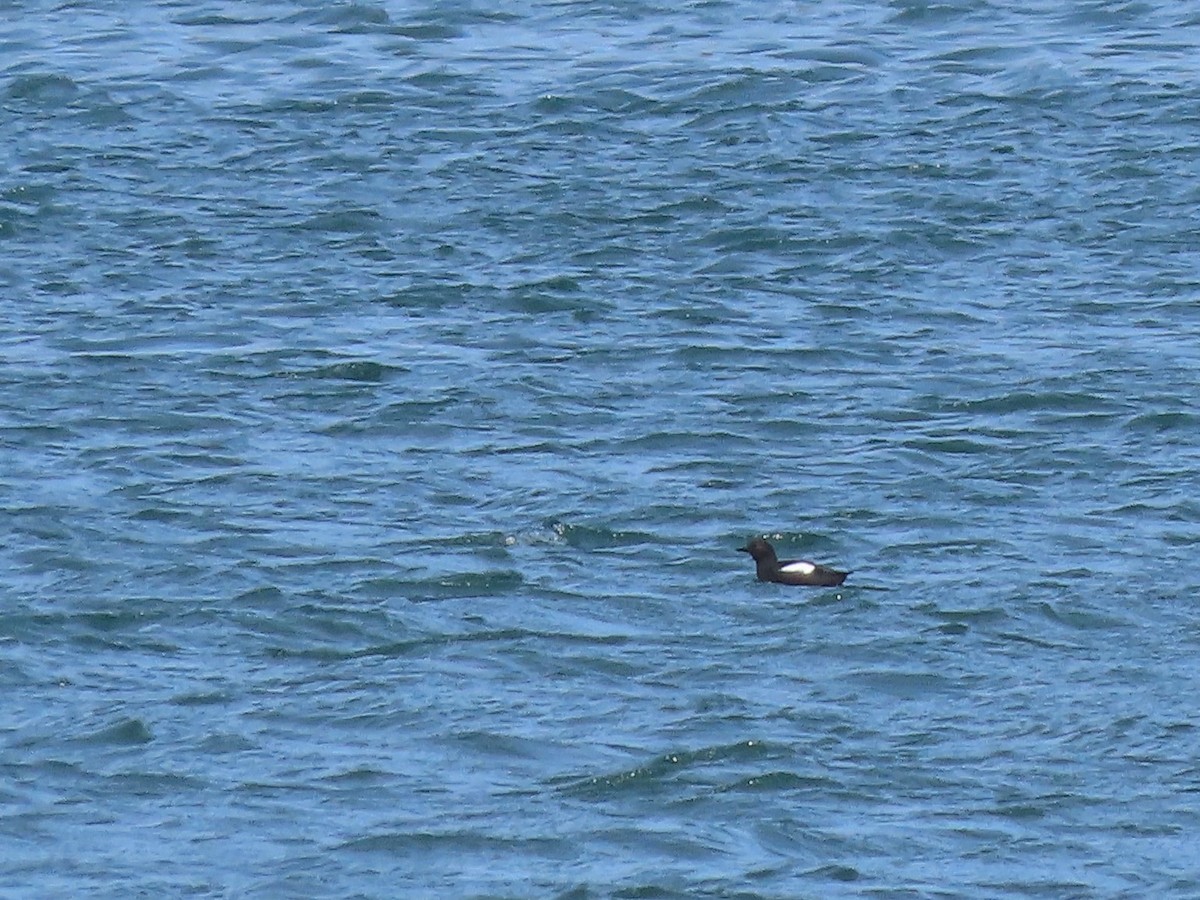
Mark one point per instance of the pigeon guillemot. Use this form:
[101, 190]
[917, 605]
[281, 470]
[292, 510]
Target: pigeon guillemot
[792, 571]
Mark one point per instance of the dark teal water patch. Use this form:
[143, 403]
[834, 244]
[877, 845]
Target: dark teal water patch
[598, 537]
[464, 584]
[129, 732]
[650, 779]
[773, 782]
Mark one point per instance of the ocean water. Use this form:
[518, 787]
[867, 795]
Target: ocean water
[387, 387]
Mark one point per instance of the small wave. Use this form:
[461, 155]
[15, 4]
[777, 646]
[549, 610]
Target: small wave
[909, 685]
[127, 732]
[654, 775]
[1165, 422]
[598, 537]
[357, 370]
[465, 584]
[48, 90]
[423, 842]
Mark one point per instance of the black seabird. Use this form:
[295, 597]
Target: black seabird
[791, 571]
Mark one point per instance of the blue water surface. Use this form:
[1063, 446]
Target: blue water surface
[387, 388]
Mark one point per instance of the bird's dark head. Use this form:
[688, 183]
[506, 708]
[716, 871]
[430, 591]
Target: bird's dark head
[759, 549]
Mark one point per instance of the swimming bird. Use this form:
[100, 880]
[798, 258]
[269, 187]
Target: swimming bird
[791, 571]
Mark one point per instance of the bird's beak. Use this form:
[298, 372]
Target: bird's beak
[743, 549]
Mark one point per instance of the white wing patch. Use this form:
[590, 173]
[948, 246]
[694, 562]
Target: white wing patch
[800, 567]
